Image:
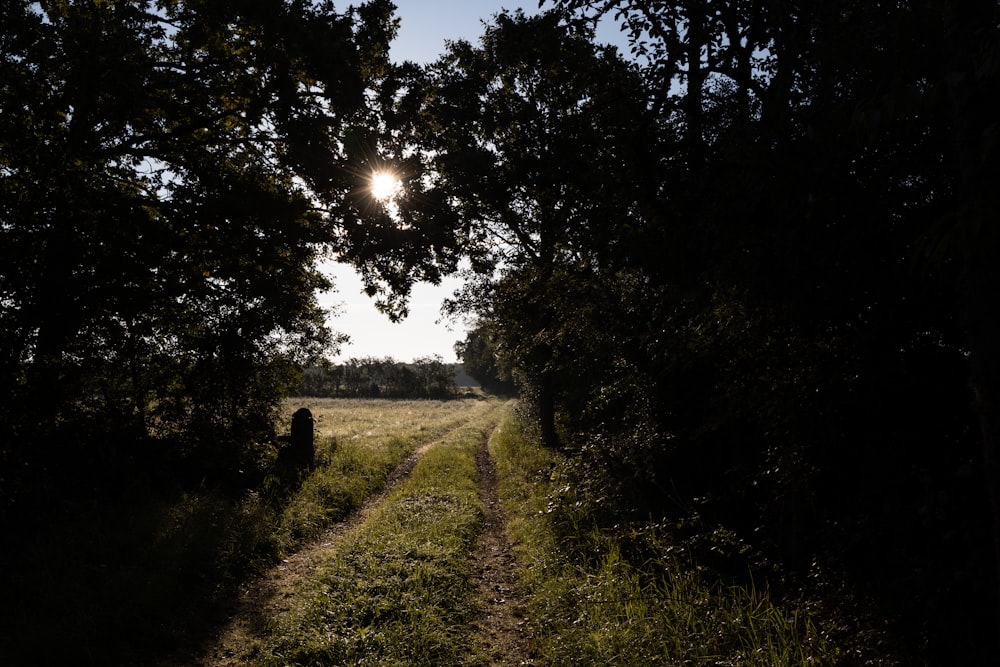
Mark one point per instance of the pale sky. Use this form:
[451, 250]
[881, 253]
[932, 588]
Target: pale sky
[424, 27]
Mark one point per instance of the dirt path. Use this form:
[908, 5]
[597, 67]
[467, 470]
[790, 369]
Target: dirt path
[501, 628]
[499, 631]
[265, 598]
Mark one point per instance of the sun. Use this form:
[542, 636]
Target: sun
[385, 186]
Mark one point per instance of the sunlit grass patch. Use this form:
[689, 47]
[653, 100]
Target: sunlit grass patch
[367, 420]
[359, 443]
[127, 578]
[395, 591]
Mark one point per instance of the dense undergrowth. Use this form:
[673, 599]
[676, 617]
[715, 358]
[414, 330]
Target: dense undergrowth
[638, 596]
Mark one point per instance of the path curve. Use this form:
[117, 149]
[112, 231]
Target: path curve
[269, 595]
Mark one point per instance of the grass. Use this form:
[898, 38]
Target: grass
[119, 580]
[396, 590]
[123, 581]
[605, 609]
[359, 443]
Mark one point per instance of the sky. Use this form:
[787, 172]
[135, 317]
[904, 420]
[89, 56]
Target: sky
[424, 27]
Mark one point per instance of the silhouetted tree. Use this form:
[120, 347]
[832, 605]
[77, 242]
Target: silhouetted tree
[525, 134]
[480, 361]
[161, 168]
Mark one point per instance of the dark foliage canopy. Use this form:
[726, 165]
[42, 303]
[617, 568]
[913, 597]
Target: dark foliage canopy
[171, 171]
[748, 275]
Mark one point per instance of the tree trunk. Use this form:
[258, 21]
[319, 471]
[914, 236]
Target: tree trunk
[547, 412]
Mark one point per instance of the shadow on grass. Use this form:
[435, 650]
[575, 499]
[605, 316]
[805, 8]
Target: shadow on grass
[90, 579]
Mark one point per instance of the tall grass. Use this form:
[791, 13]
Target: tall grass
[604, 609]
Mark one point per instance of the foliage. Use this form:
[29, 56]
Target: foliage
[370, 377]
[162, 216]
[479, 358]
[522, 133]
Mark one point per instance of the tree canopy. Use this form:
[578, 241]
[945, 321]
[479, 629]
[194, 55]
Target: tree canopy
[171, 173]
[524, 134]
[743, 274]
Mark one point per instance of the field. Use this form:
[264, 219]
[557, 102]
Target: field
[371, 421]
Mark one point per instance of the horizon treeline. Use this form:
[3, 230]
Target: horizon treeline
[380, 377]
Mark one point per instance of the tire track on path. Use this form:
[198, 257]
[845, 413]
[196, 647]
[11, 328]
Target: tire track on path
[500, 632]
[272, 593]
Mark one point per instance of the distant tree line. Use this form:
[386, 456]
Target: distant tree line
[380, 377]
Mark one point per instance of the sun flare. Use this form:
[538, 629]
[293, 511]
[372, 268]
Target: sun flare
[385, 186]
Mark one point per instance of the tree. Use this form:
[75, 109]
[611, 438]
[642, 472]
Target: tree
[524, 138]
[836, 279]
[480, 361]
[161, 168]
